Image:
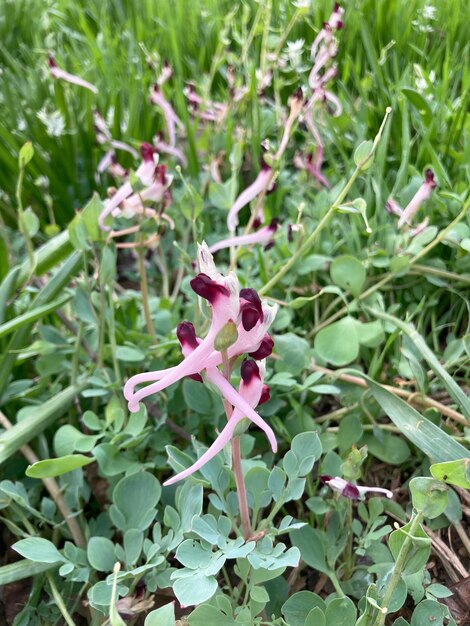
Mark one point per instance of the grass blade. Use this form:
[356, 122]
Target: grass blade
[32, 316]
[449, 383]
[22, 569]
[22, 432]
[425, 435]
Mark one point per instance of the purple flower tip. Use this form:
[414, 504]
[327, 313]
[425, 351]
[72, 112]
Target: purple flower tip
[249, 369]
[196, 377]
[272, 189]
[325, 479]
[351, 492]
[160, 173]
[339, 25]
[265, 349]
[274, 224]
[298, 94]
[207, 288]
[51, 61]
[337, 7]
[251, 308]
[429, 176]
[265, 395]
[187, 335]
[146, 150]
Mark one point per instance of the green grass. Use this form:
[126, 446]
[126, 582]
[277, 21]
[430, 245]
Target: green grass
[108, 43]
[75, 326]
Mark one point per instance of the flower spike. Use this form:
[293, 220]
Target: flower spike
[260, 184]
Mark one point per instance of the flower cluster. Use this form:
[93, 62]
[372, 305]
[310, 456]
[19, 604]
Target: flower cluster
[238, 314]
[104, 138]
[150, 184]
[323, 52]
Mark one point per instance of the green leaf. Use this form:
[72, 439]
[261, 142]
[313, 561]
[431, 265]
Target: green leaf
[38, 419]
[164, 616]
[418, 554]
[316, 617]
[101, 554]
[208, 615]
[454, 390]
[425, 435]
[30, 222]
[32, 315]
[38, 549]
[307, 449]
[429, 496]
[49, 468]
[84, 227]
[311, 543]
[134, 500]
[390, 448]
[107, 267]
[293, 352]
[131, 354]
[341, 612]
[338, 343]
[348, 273]
[454, 472]
[259, 594]
[194, 589]
[296, 609]
[197, 397]
[190, 553]
[429, 612]
[361, 154]
[24, 568]
[420, 103]
[221, 194]
[370, 334]
[26, 153]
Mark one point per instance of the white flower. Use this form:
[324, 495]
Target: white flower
[54, 122]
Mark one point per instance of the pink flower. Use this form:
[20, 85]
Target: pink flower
[207, 109]
[161, 146]
[260, 184]
[104, 138]
[423, 194]
[252, 318]
[59, 74]
[145, 173]
[254, 393]
[165, 74]
[312, 164]
[325, 36]
[262, 236]
[171, 119]
[351, 491]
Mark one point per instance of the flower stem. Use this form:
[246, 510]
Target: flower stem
[21, 223]
[237, 462]
[145, 294]
[397, 570]
[59, 601]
